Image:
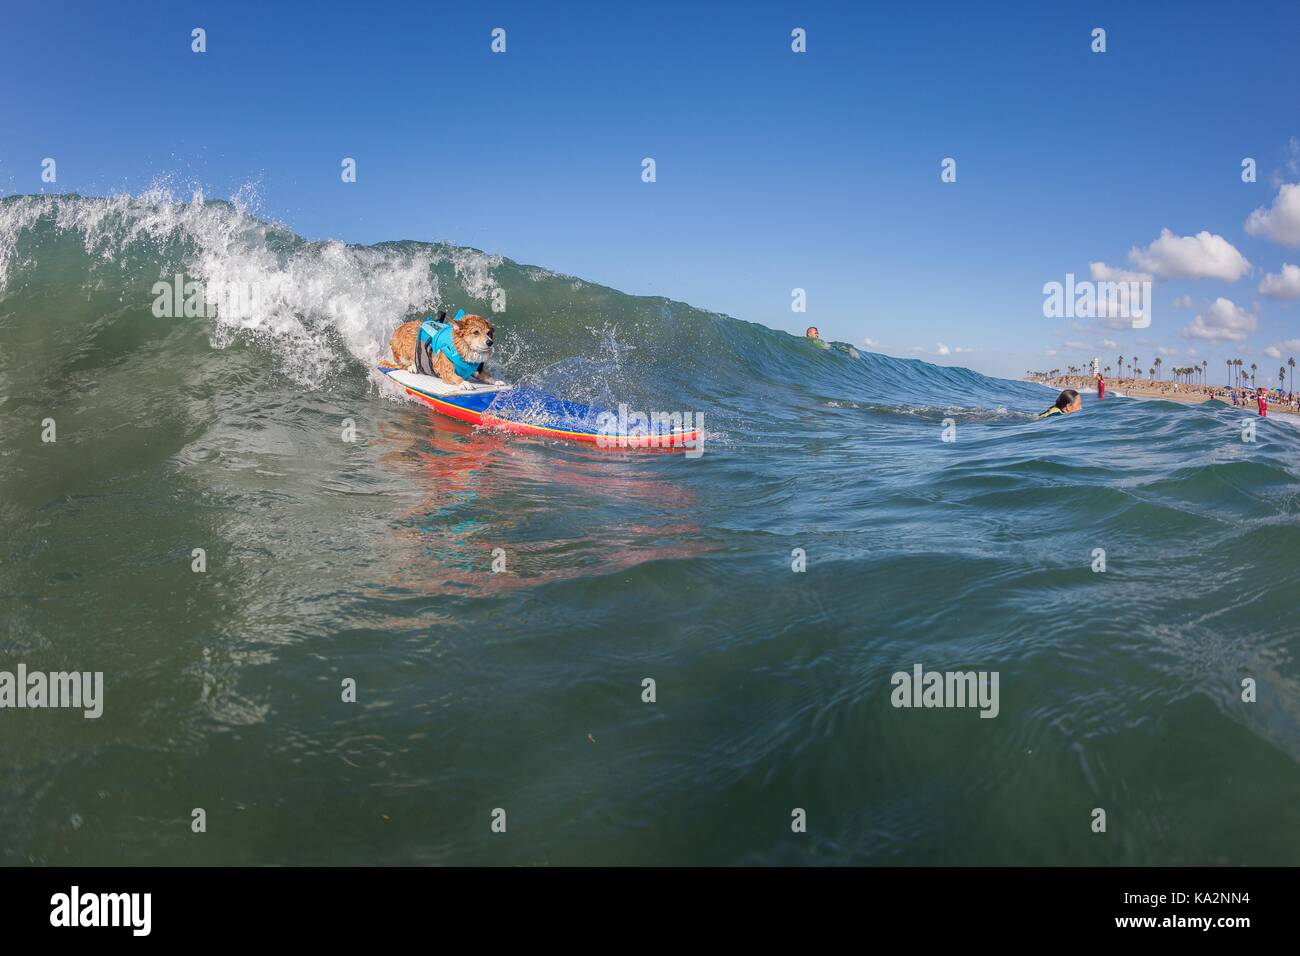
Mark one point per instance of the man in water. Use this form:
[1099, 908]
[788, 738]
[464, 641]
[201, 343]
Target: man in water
[1068, 401]
[1101, 386]
[812, 333]
[1262, 401]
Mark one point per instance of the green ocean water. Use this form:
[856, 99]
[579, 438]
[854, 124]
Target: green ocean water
[522, 690]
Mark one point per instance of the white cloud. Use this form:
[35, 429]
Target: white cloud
[1182, 302]
[1288, 348]
[1075, 345]
[1284, 284]
[939, 349]
[1049, 352]
[1202, 256]
[1222, 321]
[1290, 163]
[1280, 222]
[1104, 273]
[870, 343]
[1107, 344]
[1293, 156]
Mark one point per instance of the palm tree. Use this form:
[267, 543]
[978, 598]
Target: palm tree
[1205, 368]
[1291, 362]
[1253, 368]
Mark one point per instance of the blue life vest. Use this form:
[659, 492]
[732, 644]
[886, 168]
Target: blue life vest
[435, 337]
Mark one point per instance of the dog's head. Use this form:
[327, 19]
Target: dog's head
[472, 337]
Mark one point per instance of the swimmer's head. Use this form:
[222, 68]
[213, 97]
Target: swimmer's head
[1069, 401]
[812, 332]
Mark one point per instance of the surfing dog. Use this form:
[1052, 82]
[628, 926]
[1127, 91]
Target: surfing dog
[454, 350]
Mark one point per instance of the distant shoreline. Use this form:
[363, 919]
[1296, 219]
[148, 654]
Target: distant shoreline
[1183, 392]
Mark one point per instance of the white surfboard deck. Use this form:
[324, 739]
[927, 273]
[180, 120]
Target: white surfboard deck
[436, 386]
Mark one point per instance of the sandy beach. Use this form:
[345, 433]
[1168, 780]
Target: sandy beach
[1187, 393]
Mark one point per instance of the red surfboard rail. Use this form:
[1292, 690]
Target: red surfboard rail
[526, 411]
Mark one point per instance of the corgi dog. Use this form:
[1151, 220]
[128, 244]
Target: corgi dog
[454, 350]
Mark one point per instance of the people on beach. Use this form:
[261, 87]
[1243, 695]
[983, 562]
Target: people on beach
[1238, 396]
[1068, 401]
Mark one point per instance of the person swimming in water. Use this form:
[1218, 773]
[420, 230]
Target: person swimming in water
[1068, 401]
[812, 333]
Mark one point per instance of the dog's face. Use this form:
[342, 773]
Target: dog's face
[472, 337]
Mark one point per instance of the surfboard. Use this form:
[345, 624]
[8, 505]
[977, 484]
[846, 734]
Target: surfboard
[528, 411]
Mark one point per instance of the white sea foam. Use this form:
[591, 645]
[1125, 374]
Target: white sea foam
[303, 288]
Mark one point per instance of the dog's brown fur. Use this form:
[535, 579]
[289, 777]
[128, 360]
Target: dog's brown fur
[472, 334]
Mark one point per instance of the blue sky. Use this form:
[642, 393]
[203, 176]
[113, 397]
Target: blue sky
[775, 170]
